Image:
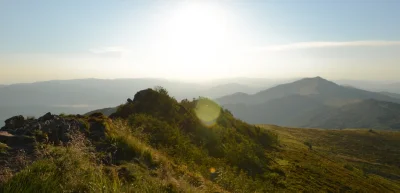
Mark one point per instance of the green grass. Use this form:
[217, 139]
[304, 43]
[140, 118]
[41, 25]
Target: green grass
[63, 169]
[3, 148]
[330, 166]
[340, 160]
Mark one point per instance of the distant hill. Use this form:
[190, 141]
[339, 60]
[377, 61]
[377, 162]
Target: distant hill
[210, 93]
[297, 104]
[221, 90]
[83, 95]
[365, 114]
[280, 111]
[394, 87]
[376, 86]
[104, 111]
[393, 95]
[323, 90]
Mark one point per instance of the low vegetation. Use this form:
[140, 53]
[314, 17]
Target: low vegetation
[153, 143]
[348, 160]
[3, 148]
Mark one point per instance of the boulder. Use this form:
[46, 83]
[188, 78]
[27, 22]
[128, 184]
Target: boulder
[15, 122]
[47, 116]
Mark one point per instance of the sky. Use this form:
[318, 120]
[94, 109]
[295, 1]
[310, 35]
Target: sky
[199, 40]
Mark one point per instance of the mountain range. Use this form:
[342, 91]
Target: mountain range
[316, 102]
[308, 102]
[83, 95]
[376, 86]
[393, 95]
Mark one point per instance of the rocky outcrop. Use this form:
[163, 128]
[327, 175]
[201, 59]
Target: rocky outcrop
[48, 127]
[15, 122]
[51, 128]
[23, 135]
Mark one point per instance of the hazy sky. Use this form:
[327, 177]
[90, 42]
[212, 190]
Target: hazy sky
[198, 40]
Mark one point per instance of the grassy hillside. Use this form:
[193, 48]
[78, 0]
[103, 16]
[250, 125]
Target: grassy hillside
[153, 143]
[353, 160]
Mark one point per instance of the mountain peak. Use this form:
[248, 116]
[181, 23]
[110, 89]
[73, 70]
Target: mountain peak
[316, 80]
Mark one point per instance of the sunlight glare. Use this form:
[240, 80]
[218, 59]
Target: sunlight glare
[196, 36]
[207, 111]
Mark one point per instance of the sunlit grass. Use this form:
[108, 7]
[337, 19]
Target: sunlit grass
[343, 159]
[3, 147]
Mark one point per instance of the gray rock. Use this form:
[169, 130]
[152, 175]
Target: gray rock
[47, 116]
[15, 122]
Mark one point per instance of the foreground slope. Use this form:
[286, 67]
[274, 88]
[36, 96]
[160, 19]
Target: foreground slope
[153, 143]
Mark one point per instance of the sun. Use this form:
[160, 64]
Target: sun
[195, 37]
[199, 24]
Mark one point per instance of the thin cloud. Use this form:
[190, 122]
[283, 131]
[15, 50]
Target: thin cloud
[308, 45]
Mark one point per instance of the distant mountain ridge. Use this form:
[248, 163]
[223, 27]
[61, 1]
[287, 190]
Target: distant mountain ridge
[104, 111]
[376, 86]
[315, 87]
[365, 114]
[393, 95]
[80, 96]
[296, 104]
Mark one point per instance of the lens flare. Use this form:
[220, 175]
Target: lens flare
[207, 111]
[212, 170]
